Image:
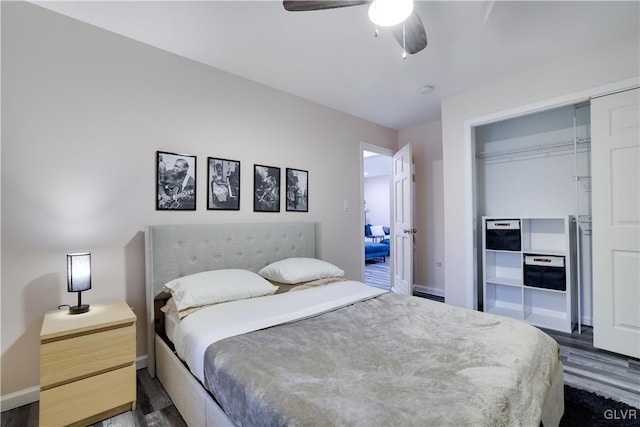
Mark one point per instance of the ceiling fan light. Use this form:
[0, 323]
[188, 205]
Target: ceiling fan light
[386, 13]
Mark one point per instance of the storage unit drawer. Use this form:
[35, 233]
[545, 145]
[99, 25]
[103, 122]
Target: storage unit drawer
[544, 271]
[88, 398]
[65, 360]
[503, 234]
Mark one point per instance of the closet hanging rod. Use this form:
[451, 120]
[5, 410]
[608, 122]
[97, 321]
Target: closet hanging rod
[547, 147]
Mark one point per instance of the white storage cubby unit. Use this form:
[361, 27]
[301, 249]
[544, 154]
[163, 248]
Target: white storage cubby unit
[529, 270]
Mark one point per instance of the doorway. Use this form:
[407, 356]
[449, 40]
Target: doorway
[376, 184]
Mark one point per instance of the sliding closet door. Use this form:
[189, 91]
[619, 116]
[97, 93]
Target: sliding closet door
[616, 222]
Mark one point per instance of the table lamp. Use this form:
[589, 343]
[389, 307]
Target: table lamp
[79, 278]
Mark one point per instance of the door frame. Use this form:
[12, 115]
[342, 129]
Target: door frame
[471, 266]
[365, 146]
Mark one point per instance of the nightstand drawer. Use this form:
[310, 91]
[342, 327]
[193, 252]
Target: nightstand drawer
[87, 399]
[66, 360]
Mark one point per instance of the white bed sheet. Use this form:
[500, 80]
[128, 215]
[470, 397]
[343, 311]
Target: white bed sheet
[194, 333]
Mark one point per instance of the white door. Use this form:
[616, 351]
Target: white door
[615, 149]
[403, 231]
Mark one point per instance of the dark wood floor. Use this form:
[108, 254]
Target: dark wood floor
[608, 374]
[376, 273]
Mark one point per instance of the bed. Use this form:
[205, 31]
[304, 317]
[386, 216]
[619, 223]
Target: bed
[293, 358]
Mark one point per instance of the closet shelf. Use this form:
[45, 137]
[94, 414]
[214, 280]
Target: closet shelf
[545, 148]
[517, 283]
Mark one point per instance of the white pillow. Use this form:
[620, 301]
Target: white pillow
[216, 286]
[297, 270]
[377, 230]
[170, 308]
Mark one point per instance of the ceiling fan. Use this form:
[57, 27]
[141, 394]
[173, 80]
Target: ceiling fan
[407, 28]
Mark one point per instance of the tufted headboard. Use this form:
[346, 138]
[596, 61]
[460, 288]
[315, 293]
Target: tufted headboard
[173, 251]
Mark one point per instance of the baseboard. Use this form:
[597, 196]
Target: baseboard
[429, 290]
[32, 394]
[141, 362]
[19, 398]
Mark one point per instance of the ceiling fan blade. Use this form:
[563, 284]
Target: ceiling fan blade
[415, 38]
[306, 5]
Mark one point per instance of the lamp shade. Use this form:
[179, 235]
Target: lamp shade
[386, 13]
[78, 272]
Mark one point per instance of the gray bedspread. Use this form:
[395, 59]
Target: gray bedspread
[390, 360]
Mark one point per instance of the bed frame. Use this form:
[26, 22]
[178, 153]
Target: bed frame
[172, 251]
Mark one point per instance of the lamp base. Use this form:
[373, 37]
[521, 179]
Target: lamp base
[77, 309]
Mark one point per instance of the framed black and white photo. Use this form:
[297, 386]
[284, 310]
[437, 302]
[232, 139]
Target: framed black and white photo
[297, 190]
[224, 184]
[176, 182]
[266, 189]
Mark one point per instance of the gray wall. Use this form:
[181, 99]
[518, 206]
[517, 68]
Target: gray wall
[84, 112]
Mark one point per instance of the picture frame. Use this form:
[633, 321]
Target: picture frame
[266, 188]
[297, 190]
[175, 181]
[223, 191]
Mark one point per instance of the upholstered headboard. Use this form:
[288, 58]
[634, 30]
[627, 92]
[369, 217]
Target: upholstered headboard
[174, 251]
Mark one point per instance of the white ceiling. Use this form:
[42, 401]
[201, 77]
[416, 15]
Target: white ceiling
[331, 56]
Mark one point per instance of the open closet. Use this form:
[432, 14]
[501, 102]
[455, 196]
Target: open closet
[533, 179]
[557, 208]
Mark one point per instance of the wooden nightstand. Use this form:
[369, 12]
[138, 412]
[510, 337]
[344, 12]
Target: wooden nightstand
[87, 365]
